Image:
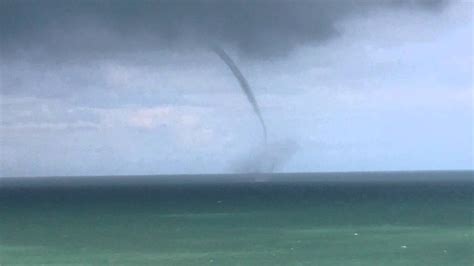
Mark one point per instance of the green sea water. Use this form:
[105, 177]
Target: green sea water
[423, 218]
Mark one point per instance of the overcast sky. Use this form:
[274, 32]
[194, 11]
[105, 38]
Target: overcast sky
[131, 87]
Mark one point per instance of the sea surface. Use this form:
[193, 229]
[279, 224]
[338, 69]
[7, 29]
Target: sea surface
[392, 218]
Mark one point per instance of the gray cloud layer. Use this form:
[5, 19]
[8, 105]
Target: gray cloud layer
[131, 87]
[58, 49]
[76, 30]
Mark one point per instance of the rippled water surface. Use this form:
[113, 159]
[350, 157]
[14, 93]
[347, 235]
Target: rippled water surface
[422, 218]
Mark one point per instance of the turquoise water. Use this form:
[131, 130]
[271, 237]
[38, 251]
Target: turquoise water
[421, 218]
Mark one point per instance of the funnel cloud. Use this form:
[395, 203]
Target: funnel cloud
[244, 85]
[271, 156]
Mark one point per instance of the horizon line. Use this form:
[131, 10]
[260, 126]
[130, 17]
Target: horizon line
[243, 173]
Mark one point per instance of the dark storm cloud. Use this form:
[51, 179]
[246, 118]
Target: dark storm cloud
[76, 30]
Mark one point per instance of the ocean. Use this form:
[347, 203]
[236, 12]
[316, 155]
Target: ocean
[382, 218]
